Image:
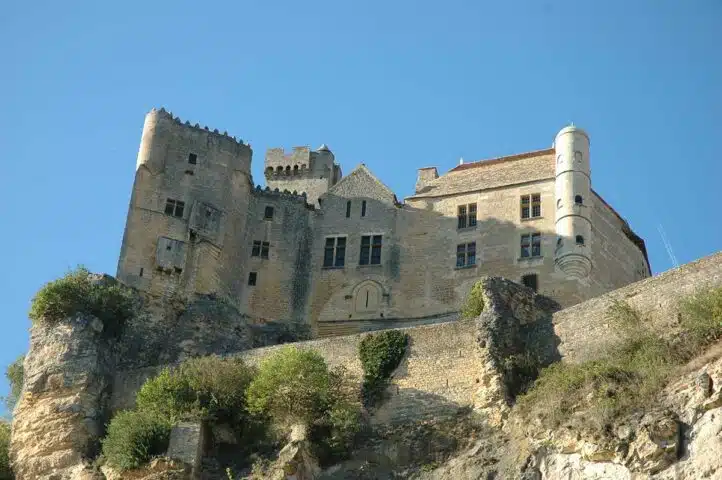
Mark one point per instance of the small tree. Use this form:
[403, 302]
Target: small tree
[474, 303]
[14, 374]
[292, 386]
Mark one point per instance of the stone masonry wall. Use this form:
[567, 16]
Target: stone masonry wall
[584, 329]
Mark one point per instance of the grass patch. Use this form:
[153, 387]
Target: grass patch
[628, 376]
[380, 354]
[5, 472]
[75, 293]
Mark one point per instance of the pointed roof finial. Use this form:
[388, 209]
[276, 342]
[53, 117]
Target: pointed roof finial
[323, 148]
[461, 160]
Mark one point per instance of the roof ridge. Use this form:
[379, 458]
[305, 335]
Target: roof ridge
[505, 158]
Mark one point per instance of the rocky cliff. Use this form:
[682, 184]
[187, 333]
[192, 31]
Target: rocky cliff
[450, 409]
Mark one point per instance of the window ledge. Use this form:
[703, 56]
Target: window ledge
[375, 265]
[467, 229]
[333, 268]
[528, 259]
[531, 219]
[466, 267]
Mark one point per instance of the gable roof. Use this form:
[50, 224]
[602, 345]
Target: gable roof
[352, 185]
[492, 173]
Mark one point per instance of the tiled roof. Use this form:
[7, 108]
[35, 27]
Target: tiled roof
[493, 173]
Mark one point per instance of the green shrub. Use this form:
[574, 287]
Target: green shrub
[75, 293]
[209, 388]
[5, 472]
[15, 376]
[474, 303]
[170, 396]
[292, 386]
[380, 354]
[134, 438]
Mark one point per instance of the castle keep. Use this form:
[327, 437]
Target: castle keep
[342, 253]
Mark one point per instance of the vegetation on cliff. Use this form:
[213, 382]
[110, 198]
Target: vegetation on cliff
[629, 374]
[295, 388]
[5, 472]
[474, 302]
[380, 354]
[134, 438]
[76, 292]
[14, 374]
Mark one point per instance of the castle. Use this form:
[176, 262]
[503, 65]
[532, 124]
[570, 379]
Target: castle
[342, 253]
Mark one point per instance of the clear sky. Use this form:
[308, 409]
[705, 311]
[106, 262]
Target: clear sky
[394, 84]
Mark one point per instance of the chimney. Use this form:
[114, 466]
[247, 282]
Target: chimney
[425, 177]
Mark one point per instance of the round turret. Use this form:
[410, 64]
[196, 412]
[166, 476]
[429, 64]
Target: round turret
[573, 203]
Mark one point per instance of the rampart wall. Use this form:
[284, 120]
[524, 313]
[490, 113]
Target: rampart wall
[584, 329]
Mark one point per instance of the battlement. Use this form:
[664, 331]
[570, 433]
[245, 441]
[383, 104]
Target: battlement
[283, 194]
[300, 161]
[164, 113]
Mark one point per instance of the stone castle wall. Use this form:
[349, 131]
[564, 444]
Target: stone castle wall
[209, 247]
[584, 329]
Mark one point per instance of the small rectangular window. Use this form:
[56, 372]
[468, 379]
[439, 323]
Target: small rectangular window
[141, 272]
[472, 215]
[264, 249]
[531, 245]
[365, 250]
[376, 250]
[348, 209]
[466, 254]
[268, 213]
[252, 277]
[192, 158]
[328, 252]
[340, 252]
[530, 281]
[363, 208]
[256, 250]
[461, 217]
[334, 254]
[174, 208]
[531, 206]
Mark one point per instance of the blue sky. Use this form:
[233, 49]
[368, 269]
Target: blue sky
[396, 85]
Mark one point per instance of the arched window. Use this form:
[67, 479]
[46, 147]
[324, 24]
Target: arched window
[559, 203]
[560, 157]
[279, 169]
[295, 169]
[269, 170]
[559, 242]
[578, 200]
[580, 240]
[288, 169]
[578, 156]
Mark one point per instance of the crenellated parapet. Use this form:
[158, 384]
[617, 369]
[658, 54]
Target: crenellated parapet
[276, 194]
[197, 127]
